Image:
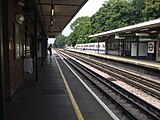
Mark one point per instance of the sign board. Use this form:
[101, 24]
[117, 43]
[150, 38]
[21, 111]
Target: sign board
[151, 47]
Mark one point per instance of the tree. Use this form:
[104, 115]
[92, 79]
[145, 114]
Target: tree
[113, 14]
[81, 30]
[136, 16]
[60, 41]
[71, 39]
[152, 9]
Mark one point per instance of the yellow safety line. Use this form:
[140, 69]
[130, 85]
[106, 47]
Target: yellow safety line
[75, 106]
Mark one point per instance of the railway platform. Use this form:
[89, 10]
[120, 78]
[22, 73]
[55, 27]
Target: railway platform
[137, 62]
[58, 95]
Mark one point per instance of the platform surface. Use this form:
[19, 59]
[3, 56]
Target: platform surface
[48, 99]
[89, 107]
[43, 100]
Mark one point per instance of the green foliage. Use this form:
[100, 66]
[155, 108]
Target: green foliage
[60, 41]
[112, 15]
[152, 9]
[137, 7]
[81, 30]
[71, 39]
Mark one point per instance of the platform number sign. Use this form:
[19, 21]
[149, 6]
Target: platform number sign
[150, 47]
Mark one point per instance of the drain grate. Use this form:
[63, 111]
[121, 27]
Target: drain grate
[52, 92]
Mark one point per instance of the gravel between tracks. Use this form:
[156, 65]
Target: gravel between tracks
[150, 99]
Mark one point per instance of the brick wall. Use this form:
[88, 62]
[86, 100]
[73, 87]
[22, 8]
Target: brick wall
[13, 68]
[6, 48]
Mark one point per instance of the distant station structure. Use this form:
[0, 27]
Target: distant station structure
[140, 41]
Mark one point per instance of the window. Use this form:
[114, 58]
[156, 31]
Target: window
[19, 37]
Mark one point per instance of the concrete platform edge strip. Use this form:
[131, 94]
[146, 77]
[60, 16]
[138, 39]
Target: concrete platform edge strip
[94, 95]
[139, 63]
[73, 101]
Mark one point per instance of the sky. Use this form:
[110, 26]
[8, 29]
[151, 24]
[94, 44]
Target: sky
[90, 8]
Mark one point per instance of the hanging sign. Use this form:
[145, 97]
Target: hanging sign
[150, 47]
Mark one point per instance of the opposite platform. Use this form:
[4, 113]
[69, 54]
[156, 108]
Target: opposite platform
[142, 63]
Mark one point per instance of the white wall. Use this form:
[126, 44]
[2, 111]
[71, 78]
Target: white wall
[143, 49]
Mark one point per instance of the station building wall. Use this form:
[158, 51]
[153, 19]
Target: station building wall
[132, 44]
[13, 69]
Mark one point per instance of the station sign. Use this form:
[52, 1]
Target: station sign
[151, 47]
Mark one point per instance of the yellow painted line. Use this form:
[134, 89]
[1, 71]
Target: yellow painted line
[75, 106]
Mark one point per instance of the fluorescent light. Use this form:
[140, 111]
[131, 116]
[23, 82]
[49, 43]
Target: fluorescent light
[128, 32]
[51, 22]
[52, 12]
[142, 34]
[144, 29]
[119, 37]
[153, 31]
[21, 3]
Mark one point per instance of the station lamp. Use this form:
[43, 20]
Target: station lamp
[51, 22]
[52, 11]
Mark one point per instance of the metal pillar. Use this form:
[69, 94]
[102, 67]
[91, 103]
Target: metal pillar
[137, 39]
[2, 102]
[106, 45]
[25, 43]
[119, 49]
[123, 46]
[42, 46]
[98, 46]
[46, 44]
[35, 45]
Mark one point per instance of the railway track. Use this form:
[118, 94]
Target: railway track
[147, 85]
[128, 105]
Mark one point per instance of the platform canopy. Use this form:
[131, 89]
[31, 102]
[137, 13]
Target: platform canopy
[149, 25]
[56, 14]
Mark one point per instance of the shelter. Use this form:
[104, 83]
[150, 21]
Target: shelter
[141, 41]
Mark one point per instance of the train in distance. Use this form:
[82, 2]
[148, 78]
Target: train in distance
[91, 46]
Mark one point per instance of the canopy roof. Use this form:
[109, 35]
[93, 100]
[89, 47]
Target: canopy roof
[137, 27]
[56, 14]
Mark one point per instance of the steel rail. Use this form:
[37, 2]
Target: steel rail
[143, 105]
[147, 85]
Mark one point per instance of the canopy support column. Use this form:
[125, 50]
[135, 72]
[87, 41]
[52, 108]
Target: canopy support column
[137, 39]
[36, 43]
[2, 102]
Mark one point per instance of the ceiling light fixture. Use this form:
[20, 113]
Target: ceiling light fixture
[128, 32]
[21, 3]
[52, 22]
[52, 11]
[153, 31]
[142, 34]
[144, 29]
